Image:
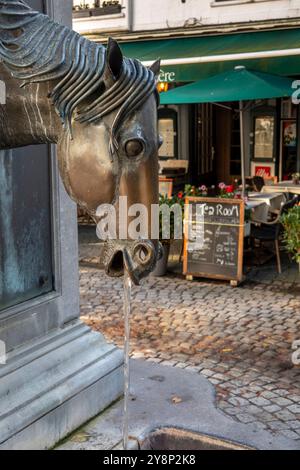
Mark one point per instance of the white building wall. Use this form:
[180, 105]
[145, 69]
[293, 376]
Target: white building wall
[149, 15]
[165, 14]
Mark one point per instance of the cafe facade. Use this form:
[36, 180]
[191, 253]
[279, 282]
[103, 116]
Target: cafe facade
[198, 40]
[207, 136]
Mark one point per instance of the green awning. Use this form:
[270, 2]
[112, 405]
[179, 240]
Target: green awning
[237, 85]
[284, 44]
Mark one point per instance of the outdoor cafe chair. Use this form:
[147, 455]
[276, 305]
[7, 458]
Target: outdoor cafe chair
[271, 231]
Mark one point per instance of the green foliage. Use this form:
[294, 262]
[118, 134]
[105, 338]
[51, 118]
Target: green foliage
[192, 191]
[291, 224]
[170, 202]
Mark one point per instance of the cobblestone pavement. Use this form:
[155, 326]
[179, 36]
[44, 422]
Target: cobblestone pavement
[240, 339]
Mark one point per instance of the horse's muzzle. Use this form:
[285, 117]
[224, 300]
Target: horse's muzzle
[137, 257]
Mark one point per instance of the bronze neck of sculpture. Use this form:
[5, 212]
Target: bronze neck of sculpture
[27, 118]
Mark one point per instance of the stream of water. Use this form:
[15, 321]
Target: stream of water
[127, 313]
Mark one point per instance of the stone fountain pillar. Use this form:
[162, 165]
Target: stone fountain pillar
[58, 373]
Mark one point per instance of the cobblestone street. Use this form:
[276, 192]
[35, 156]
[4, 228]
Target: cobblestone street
[240, 339]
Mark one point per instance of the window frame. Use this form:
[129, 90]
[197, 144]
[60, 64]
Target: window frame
[224, 3]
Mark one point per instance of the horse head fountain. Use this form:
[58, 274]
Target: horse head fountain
[97, 106]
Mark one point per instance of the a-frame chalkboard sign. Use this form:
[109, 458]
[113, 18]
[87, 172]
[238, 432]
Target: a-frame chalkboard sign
[214, 239]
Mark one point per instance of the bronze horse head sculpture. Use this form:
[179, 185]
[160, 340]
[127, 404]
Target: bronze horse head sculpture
[97, 106]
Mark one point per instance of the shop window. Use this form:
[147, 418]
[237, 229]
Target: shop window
[220, 3]
[264, 134]
[236, 1]
[167, 127]
[263, 138]
[26, 269]
[289, 153]
[87, 8]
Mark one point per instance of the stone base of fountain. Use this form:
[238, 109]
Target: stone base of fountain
[164, 399]
[48, 389]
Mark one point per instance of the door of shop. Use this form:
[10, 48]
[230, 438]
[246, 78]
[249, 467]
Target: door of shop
[202, 151]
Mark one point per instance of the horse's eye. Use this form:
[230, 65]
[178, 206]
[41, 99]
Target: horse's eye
[134, 148]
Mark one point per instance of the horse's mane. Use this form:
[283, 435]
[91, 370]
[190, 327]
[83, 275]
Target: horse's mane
[36, 49]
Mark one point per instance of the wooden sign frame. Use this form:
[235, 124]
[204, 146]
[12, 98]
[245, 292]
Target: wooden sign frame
[190, 275]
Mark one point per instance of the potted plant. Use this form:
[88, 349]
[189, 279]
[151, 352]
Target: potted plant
[81, 11]
[296, 178]
[291, 225]
[192, 191]
[226, 191]
[110, 7]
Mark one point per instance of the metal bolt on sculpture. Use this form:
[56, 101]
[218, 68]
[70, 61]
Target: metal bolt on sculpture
[97, 106]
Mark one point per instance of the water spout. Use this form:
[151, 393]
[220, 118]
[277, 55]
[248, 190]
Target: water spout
[127, 314]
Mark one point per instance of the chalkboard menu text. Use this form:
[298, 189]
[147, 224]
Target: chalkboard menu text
[214, 238]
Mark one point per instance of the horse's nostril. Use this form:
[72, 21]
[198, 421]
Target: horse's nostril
[137, 258]
[143, 254]
[116, 267]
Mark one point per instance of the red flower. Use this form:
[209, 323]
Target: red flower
[230, 189]
[180, 195]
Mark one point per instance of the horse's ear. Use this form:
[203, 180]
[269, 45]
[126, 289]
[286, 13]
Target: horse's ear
[114, 58]
[155, 68]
